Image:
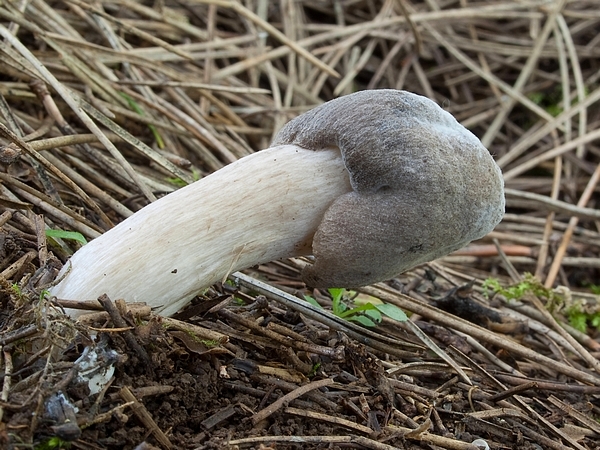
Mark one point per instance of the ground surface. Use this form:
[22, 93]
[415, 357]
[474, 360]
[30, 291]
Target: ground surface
[201, 84]
[259, 374]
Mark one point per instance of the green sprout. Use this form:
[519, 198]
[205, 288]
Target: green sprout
[315, 368]
[53, 443]
[367, 314]
[17, 290]
[551, 102]
[594, 288]
[529, 284]
[209, 343]
[580, 319]
[133, 105]
[176, 181]
[62, 234]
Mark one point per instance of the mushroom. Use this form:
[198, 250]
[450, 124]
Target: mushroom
[372, 184]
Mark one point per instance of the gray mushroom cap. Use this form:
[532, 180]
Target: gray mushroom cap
[423, 186]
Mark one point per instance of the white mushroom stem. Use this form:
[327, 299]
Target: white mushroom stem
[261, 208]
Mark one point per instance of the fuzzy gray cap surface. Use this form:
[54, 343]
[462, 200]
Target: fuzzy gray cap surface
[423, 185]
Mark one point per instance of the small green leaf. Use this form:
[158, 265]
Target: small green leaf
[392, 311]
[336, 293]
[176, 181]
[62, 234]
[312, 301]
[356, 310]
[363, 320]
[374, 315]
[182, 183]
[594, 288]
[133, 105]
[578, 320]
[53, 443]
[17, 289]
[315, 368]
[337, 306]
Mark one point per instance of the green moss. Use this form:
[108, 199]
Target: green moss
[530, 284]
[575, 312]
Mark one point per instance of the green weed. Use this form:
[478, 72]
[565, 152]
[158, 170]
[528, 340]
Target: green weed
[530, 284]
[176, 181]
[53, 443]
[575, 312]
[134, 106]
[62, 234]
[367, 314]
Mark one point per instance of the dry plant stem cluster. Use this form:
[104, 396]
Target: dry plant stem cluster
[549, 41]
[106, 105]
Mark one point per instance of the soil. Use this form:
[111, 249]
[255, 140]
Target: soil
[297, 384]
